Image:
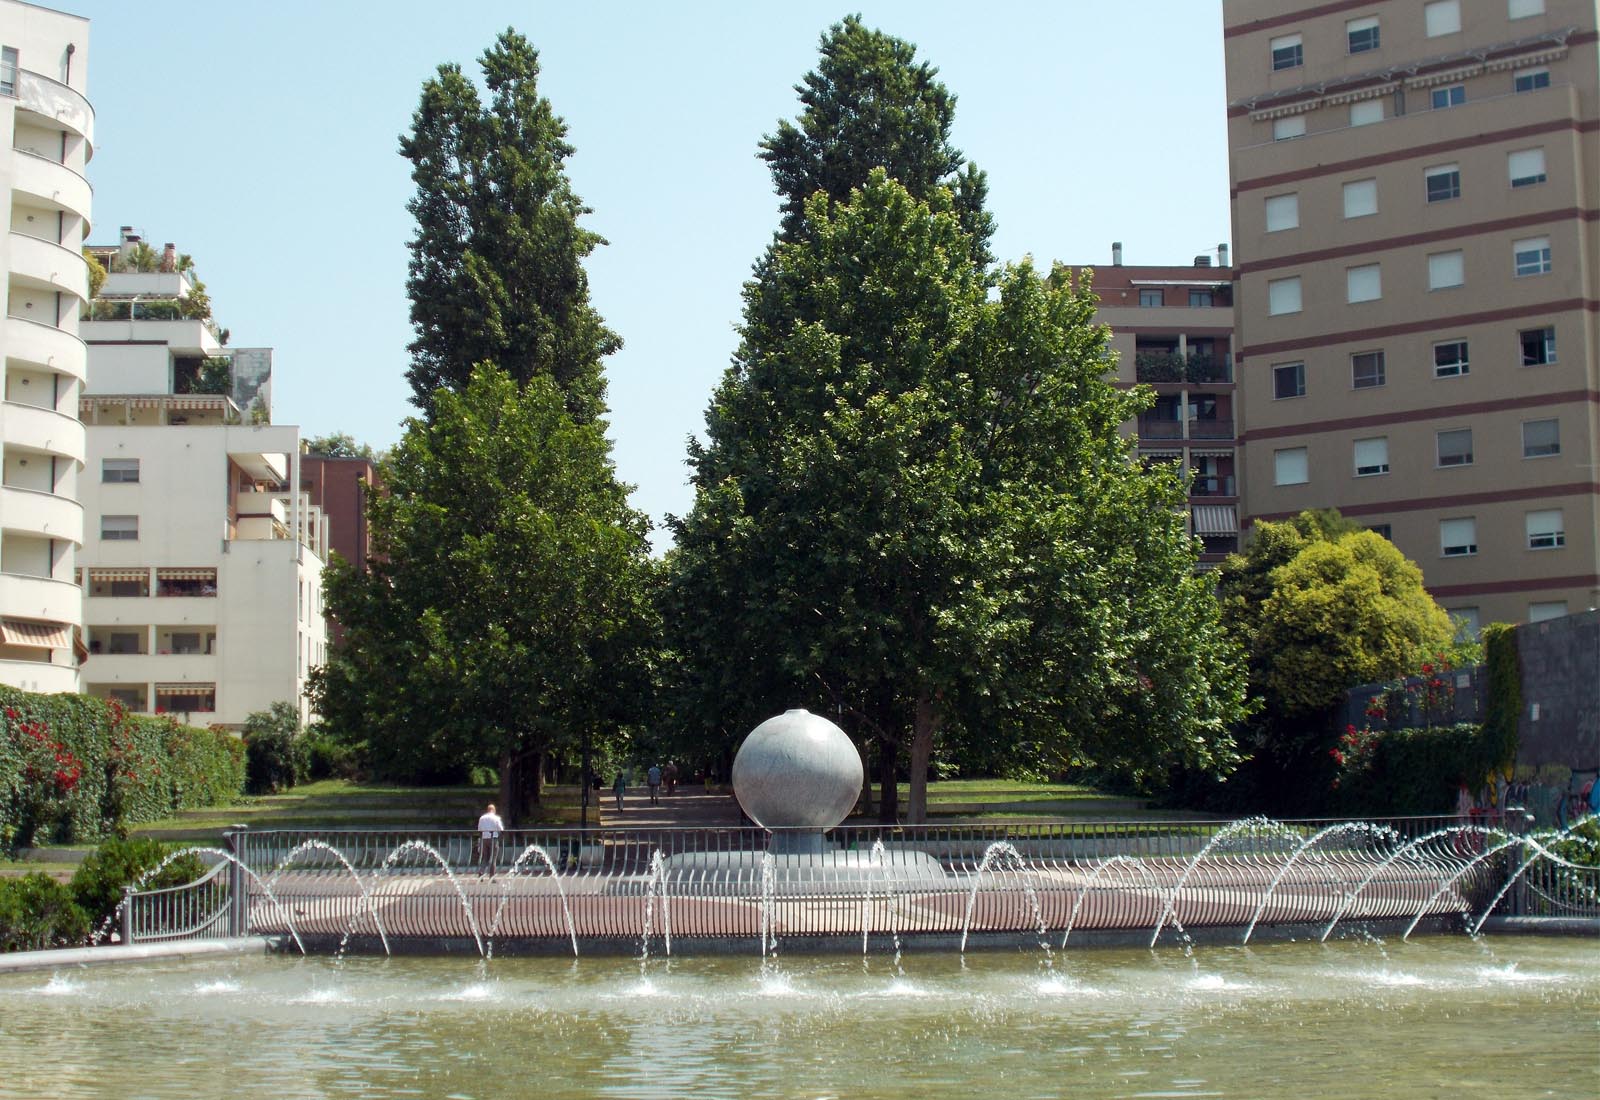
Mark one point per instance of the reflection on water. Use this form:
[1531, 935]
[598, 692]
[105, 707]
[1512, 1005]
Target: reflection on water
[1426, 1018]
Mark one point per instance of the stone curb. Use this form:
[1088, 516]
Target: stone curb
[181, 950]
[1542, 926]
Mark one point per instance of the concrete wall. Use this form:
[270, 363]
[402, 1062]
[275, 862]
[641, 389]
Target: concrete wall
[1560, 721]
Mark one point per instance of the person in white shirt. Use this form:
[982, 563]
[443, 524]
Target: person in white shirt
[489, 829]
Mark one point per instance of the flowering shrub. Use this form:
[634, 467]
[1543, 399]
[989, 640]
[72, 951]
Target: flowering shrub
[73, 767]
[1408, 771]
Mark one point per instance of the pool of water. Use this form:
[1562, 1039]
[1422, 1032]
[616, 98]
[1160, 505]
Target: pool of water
[1436, 1017]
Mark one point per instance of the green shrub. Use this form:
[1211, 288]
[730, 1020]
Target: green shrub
[37, 912]
[1412, 771]
[97, 886]
[275, 751]
[330, 759]
[74, 768]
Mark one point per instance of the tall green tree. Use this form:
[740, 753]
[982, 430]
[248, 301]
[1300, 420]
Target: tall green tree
[507, 610]
[871, 104]
[496, 270]
[915, 510]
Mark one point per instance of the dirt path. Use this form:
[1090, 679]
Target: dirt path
[690, 807]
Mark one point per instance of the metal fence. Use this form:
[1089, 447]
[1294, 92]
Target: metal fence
[854, 881]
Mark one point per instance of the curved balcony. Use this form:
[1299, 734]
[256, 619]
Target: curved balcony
[46, 346]
[45, 265]
[41, 598]
[51, 182]
[38, 676]
[44, 514]
[41, 429]
[54, 101]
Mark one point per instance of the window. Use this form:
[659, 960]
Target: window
[1445, 270]
[1538, 346]
[187, 642]
[1453, 95]
[1151, 297]
[1458, 537]
[1291, 126]
[1287, 53]
[1360, 198]
[1372, 456]
[1366, 370]
[1532, 256]
[1199, 299]
[8, 70]
[1521, 9]
[1541, 438]
[119, 469]
[119, 527]
[1526, 167]
[1442, 17]
[1289, 467]
[1363, 284]
[1288, 380]
[1546, 530]
[1283, 295]
[1455, 447]
[1450, 359]
[1443, 182]
[180, 582]
[124, 641]
[1283, 212]
[1467, 623]
[1366, 112]
[1539, 612]
[1383, 529]
[1530, 80]
[1362, 34]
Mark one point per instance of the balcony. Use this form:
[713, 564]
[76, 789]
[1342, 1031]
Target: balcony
[1170, 367]
[1215, 428]
[41, 345]
[41, 598]
[29, 511]
[57, 103]
[39, 429]
[45, 265]
[1151, 427]
[39, 676]
[1213, 486]
[51, 183]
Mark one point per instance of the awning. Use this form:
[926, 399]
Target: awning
[38, 635]
[79, 650]
[186, 574]
[1215, 519]
[1211, 452]
[105, 576]
[186, 689]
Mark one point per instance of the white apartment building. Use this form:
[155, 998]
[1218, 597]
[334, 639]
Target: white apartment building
[201, 566]
[49, 129]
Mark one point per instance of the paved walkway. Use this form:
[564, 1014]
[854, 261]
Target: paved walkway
[690, 807]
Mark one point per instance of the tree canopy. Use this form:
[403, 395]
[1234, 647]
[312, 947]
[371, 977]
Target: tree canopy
[340, 445]
[496, 271]
[915, 510]
[507, 605]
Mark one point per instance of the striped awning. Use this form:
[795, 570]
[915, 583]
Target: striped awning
[79, 650]
[186, 689]
[38, 635]
[104, 576]
[1211, 452]
[1215, 519]
[186, 574]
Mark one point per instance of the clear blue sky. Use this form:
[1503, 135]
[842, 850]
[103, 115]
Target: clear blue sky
[261, 138]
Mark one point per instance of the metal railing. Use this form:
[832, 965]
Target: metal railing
[196, 911]
[1213, 487]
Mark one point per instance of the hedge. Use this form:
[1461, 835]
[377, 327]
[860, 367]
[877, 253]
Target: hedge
[1413, 771]
[74, 768]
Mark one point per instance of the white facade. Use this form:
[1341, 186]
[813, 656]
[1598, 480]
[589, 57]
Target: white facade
[201, 570]
[48, 134]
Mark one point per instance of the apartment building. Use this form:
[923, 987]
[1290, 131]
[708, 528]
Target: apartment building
[49, 130]
[1172, 328]
[201, 566]
[1415, 192]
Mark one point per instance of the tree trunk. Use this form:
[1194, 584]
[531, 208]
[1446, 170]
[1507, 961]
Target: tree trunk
[924, 726]
[888, 782]
[508, 788]
[536, 791]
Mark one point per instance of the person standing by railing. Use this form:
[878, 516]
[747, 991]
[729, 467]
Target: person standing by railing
[490, 829]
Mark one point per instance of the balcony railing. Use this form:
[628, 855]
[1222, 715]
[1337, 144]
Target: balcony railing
[1213, 487]
[1220, 427]
[1155, 366]
[1154, 427]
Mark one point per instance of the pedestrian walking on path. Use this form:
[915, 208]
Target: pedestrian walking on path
[620, 787]
[653, 778]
